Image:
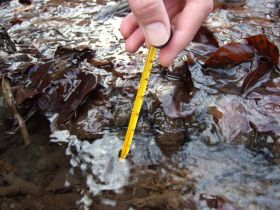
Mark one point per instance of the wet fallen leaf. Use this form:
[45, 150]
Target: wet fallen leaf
[226, 5]
[101, 64]
[6, 44]
[257, 77]
[205, 36]
[264, 47]
[58, 85]
[181, 93]
[167, 200]
[91, 121]
[232, 118]
[26, 2]
[66, 94]
[106, 65]
[23, 94]
[212, 201]
[273, 85]
[102, 2]
[230, 55]
[74, 56]
[216, 113]
[16, 21]
[190, 204]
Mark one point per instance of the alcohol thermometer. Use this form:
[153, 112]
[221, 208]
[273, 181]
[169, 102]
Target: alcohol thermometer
[138, 102]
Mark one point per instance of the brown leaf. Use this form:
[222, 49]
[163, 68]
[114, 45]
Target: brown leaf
[65, 95]
[230, 55]
[74, 56]
[180, 94]
[257, 76]
[190, 204]
[273, 85]
[26, 2]
[173, 102]
[16, 21]
[102, 2]
[23, 94]
[205, 36]
[101, 63]
[229, 5]
[6, 43]
[106, 65]
[60, 84]
[217, 114]
[212, 201]
[264, 47]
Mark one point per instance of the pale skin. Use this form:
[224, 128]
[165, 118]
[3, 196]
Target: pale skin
[150, 22]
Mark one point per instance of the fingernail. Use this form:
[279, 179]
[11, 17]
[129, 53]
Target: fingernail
[157, 34]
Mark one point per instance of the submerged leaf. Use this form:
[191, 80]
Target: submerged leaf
[71, 100]
[59, 85]
[216, 113]
[66, 94]
[216, 202]
[264, 47]
[205, 36]
[230, 55]
[74, 56]
[179, 94]
[6, 44]
[23, 94]
[212, 201]
[26, 2]
[257, 76]
[273, 85]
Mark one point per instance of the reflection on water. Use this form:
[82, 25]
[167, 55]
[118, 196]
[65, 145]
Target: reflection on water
[98, 161]
[242, 177]
[232, 171]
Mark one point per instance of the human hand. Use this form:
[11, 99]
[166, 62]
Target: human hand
[152, 20]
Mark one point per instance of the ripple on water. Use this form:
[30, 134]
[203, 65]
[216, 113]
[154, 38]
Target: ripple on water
[244, 178]
[233, 172]
[98, 160]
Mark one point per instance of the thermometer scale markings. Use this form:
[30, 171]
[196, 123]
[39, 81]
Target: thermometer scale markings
[138, 102]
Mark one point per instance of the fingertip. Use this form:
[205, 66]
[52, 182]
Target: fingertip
[165, 60]
[168, 54]
[130, 48]
[128, 25]
[176, 45]
[134, 42]
[123, 30]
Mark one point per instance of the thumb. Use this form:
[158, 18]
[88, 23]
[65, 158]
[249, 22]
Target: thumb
[153, 20]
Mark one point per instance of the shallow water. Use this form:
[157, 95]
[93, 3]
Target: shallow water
[174, 160]
[242, 177]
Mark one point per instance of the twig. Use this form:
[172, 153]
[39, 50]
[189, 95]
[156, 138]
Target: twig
[18, 186]
[7, 93]
[15, 129]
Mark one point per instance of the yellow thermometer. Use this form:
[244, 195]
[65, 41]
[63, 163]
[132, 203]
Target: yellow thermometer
[138, 102]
